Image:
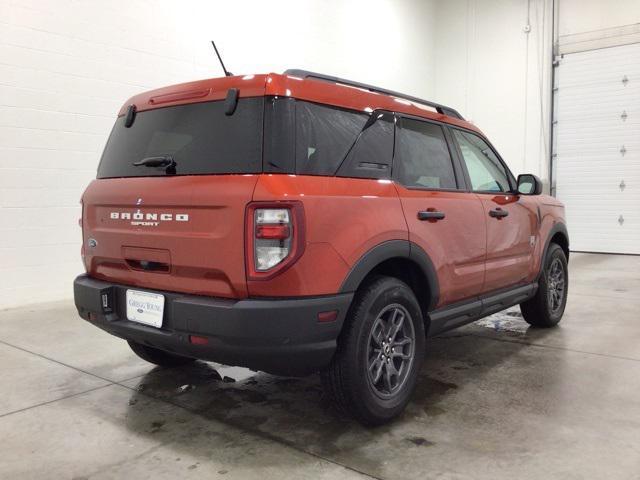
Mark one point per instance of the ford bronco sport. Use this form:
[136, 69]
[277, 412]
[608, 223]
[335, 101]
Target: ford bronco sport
[298, 223]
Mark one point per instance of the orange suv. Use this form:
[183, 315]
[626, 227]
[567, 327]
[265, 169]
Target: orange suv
[298, 223]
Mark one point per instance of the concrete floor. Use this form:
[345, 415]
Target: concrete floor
[496, 399]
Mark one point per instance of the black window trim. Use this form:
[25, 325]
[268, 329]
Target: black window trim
[458, 172]
[456, 146]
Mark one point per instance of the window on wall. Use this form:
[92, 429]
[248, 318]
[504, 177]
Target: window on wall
[486, 172]
[422, 156]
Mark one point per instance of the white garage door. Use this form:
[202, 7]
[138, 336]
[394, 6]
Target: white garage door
[598, 148]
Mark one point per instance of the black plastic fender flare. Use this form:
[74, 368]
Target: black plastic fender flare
[386, 251]
[558, 227]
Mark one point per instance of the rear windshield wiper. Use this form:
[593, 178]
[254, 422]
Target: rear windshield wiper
[161, 161]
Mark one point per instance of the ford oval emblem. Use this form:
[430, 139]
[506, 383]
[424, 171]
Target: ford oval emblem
[92, 242]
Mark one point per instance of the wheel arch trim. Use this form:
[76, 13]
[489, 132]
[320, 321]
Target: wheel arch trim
[560, 228]
[388, 250]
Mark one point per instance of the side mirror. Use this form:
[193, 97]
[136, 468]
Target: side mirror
[529, 184]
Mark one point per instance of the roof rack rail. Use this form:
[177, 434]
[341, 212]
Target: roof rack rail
[442, 109]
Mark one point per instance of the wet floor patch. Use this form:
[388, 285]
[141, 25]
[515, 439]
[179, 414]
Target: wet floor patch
[420, 441]
[467, 380]
[156, 426]
[294, 411]
[429, 396]
[509, 320]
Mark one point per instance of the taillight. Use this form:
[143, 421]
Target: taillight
[272, 242]
[275, 237]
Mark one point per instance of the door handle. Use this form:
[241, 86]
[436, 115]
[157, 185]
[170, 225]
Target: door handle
[498, 213]
[430, 215]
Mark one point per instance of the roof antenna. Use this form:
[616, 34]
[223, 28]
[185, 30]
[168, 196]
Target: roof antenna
[227, 74]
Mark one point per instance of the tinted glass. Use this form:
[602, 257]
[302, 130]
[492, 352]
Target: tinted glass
[199, 137]
[371, 155]
[324, 136]
[486, 172]
[422, 156]
[279, 135]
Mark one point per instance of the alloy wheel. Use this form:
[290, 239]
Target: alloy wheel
[555, 285]
[390, 350]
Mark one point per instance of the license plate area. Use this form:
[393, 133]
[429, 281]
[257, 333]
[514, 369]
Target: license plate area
[145, 307]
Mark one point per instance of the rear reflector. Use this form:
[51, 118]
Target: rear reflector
[197, 340]
[325, 317]
[278, 232]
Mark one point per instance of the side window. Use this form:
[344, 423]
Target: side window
[324, 136]
[371, 155]
[486, 172]
[422, 156]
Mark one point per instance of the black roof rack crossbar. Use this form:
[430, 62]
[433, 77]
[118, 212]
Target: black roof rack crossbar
[442, 109]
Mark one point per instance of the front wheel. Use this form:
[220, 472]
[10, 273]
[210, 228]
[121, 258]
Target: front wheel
[546, 308]
[380, 352]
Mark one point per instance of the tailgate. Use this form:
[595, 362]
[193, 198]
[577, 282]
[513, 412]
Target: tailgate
[180, 233]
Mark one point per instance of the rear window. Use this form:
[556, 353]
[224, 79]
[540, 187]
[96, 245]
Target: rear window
[198, 137]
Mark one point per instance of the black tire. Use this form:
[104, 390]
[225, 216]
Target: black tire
[157, 356]
[546, 308]
[377, 305]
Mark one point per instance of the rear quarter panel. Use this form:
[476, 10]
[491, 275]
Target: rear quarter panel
[345, 218]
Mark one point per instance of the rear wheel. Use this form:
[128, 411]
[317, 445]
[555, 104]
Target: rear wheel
[157, 356]
[380, 351]
[546, 308]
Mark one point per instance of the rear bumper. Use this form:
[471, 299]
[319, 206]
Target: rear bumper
[281, 336]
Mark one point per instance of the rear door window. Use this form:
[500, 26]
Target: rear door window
[199, 138]
[422, 156]
[324, 136]
[372, 153]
